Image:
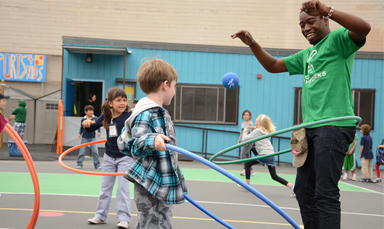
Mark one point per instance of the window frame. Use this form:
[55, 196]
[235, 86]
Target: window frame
[176, 117]
[373, 94]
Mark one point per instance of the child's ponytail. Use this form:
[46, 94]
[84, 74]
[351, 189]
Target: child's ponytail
[107, 113]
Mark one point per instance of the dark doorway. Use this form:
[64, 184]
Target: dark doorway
[83, 90]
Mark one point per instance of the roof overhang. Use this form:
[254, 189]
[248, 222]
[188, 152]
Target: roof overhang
[96, 50]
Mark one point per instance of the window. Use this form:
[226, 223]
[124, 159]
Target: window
[130, 89]
[210, 104]
[298, 115]
[50, 106]
[364, 105]
[363, 101]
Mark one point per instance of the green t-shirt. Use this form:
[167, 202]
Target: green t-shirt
[327, 70]
[353, 143]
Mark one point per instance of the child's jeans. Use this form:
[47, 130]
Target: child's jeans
[152, 212]
[95, 153]
[366, 168]
[123, 197]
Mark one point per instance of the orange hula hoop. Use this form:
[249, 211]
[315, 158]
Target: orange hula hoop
[28, 159]
[82, 171]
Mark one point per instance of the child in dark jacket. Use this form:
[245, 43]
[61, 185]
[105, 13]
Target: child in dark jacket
[88, 137]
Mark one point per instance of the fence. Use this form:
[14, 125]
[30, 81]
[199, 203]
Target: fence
[206, 149]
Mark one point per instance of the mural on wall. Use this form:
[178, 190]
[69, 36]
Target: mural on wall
[22, 67]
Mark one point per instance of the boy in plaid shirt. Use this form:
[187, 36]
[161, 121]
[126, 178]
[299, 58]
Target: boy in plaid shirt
[158, 180]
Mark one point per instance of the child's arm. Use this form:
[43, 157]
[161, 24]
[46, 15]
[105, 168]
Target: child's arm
[358, 27]
[361, 150]
[270, 63]
[241, 136]
[254, 134]
[98, 130]
[159, 142]
[91, 126]
[353, 148]
[145, 140]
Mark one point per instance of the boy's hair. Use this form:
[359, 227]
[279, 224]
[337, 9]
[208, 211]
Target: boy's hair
[88, 107]
[153, 73]
[112, 94]
[245, 111]
[366, 129]
[266, 124]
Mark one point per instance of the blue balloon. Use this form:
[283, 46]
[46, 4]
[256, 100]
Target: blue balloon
[230, 80]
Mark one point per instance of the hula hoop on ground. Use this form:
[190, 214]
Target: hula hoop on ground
[237, 180]
[274, 134]
[83, 171]
[32, 170]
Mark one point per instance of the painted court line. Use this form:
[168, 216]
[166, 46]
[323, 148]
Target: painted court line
[380, 193]
[204, 202]
[174, 217]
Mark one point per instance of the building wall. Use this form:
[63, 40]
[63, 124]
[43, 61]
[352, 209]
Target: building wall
[273, 94]
[42, 23]
[37, 26]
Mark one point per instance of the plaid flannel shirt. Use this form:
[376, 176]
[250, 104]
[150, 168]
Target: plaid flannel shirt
[155, 170]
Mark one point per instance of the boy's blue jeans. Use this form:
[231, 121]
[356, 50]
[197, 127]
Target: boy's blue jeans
[95, 153]
[316, 182]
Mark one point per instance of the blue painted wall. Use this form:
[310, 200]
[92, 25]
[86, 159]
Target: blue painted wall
[272, 95]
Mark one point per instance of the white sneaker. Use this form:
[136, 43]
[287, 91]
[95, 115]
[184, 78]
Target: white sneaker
[79, 167]
[123, 224]
[345, 177]
[242, 173]
[252, 172]
[95, 221]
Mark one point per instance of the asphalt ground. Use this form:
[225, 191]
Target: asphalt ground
[68, 199]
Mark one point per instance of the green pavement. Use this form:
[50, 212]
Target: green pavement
[80, 184]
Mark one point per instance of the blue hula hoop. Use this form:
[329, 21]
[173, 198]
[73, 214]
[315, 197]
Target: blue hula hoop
[237, 180]
[207, 212]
